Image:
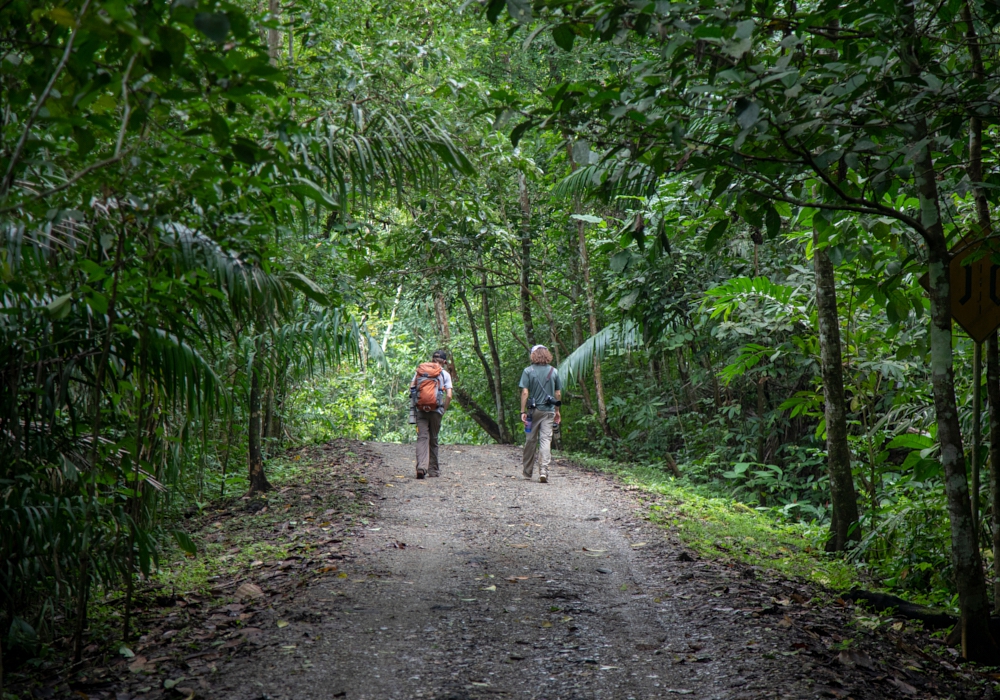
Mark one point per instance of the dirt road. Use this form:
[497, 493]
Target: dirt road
[482, 585]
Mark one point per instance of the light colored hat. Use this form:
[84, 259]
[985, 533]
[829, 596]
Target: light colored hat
[537, 347]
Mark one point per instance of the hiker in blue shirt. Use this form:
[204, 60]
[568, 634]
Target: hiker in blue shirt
[541, 397]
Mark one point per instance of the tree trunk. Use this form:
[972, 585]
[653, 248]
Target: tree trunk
[844, 525]
[505, 437]
[575, 292]
[682, 370]
[258, 479]
[602, 410]
[706, 362]
[993, 396]
[476, 412]
[977, 642]
[476, 345]
[273, 36]
[462, 397]
[529, 327]
[761, 410]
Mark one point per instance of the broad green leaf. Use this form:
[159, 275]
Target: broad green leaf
[911, 441]
[60, 307]
[772, 220]
[715, 233]
[214, 25]
[185, 542]
[564, 36]
[220, 129]
[519, 10]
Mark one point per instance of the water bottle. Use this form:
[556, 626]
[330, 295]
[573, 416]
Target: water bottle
[527, 424]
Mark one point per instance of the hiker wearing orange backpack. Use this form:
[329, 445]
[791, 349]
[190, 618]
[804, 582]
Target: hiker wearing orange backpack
[430, 395]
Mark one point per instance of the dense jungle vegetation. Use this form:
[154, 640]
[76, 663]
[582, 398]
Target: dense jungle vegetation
[227, 227]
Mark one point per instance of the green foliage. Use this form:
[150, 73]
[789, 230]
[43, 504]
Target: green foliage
[719, 527]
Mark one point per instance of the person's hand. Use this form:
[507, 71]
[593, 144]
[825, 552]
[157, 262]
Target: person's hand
[558, 416]
[524, 417]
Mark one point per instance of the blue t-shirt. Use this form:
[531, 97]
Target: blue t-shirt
[542, 382]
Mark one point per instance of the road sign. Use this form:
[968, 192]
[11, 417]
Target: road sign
[975, 292]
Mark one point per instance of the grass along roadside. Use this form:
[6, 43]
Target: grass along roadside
[725, 528]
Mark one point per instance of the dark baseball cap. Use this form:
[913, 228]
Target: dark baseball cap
[440, 354]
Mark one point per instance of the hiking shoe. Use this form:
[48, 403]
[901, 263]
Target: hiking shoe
[543, 479]
[420, 474]
[434, 474]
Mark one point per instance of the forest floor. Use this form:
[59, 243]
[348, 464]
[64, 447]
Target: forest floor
[356, 580]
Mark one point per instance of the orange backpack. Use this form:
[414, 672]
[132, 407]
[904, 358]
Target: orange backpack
[428, 386]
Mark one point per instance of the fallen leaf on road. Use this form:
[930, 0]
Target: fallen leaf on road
[282, 623]
[490, 588]
[588, 549]
[903, 686]
[249, 590]
[546, 624]
[638, 544]
[849, 657]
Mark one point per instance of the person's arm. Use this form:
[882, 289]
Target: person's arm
[524, 403]
[447, 400]
[558, 398]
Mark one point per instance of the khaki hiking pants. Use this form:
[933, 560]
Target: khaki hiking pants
[428, 427]
[538, 443]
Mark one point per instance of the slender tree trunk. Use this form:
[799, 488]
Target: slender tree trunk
[761, 410]
[258, 479]
[993, 396]
[975, 172]
[584, 268]
[273, 36]
[476, 345]
[505, 437]
[462, 397]
[529, 327]
[602, 410]
[575, 292]
[392, 318]
[844, 524]
[977, 642]
[706, 362]
[291, 37]
[685, 375]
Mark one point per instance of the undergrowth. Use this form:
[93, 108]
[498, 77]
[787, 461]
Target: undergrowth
[723, 527]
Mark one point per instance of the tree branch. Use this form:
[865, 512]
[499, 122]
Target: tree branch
[8, 178]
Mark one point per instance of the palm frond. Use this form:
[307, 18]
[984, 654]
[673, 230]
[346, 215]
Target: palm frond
[612, 177]
[614, 338]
